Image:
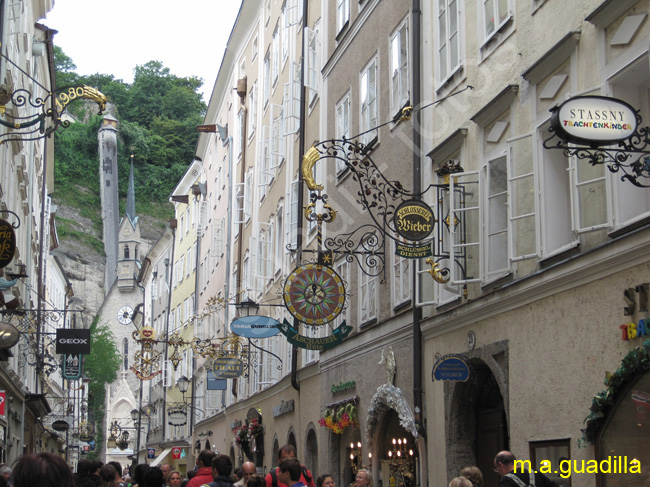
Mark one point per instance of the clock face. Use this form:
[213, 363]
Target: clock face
[314, 294]
[125, 315]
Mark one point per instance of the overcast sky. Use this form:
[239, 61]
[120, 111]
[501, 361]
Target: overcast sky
[187, 36]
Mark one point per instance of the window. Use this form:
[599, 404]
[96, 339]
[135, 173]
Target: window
[188, 262]
[342, 268]
[291, 106]
[246, 277]
[126, 251]
[402, 269]
[252, 110]
[292, 215]
[495, 14]
[312, 74]
[277, 136]
[399, 68]
[448, 50]
[279, 235]
[254, 49]
[496, 217]
[125, 353]
[342, 125]
[368, 294]
[342, 14]
[285, 33]
[248, 195]
[267, 77]
[368, 93]
[240, 133]
[264, 253]
[275, 46]
[189, 220]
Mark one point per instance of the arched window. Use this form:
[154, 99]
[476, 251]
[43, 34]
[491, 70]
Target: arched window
[135, 256]
[126, 252]
[125, 352]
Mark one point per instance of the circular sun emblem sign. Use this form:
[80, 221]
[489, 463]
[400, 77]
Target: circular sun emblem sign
[314, 294]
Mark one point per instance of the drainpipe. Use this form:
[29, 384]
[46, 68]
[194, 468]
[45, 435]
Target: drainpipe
[3, 37]
[172, 225]
[417, 190]
[301, 150]
[226, 140]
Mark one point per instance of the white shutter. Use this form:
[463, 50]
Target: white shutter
[248, 195]
[522, 198]
[312, 69]
[167, 373]
[277, 136]
[294, 12]
[291, 101]
[238, 214]
[464, 226]
[292, 215]
[266, 174]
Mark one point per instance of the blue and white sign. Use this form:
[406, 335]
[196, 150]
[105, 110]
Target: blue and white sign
[452, 368]
[215, 383]
[255, 327]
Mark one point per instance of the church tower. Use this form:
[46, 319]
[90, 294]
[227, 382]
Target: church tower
[108, 186]
[129, 245]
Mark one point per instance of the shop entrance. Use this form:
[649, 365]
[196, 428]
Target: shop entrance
[477, 424]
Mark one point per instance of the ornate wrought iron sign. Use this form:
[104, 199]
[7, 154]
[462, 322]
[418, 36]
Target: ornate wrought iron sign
[603, 130]
[176, 416]
[146, 361]
[7, 243]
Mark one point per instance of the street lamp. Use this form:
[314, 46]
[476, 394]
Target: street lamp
[183, 384]
[247, 307]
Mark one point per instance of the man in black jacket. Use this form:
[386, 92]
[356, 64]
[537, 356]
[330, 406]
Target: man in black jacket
[221, 470]
[504, 465]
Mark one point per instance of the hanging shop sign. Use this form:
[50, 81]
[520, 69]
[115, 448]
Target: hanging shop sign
[176, 453]
[414, 220]
[310, 343]
[73, 341]
[3, 401]
[227, 367]
[71, 369]
[255, 327]
[314, 294]
[9, 335]
[176, 417]
[594, 120]
[413, 251]
[151, 453]
[216, 384]
[60, 425]
[7, 243]
[451, 368]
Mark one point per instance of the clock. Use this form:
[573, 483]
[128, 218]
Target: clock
[314, 294]
[125, 315]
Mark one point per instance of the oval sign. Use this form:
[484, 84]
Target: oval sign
[414, 220]
[60, 425]
[176, 417]
[227, 367]
[594, 120]
[451, 368]
[7, 243]
[9, 335]
[255, 327]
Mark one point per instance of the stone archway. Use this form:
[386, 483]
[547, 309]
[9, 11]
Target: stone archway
[311, 450]
[476, 426]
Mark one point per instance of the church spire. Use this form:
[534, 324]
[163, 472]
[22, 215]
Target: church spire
[130, 196]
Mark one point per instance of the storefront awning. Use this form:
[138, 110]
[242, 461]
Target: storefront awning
[159, 459]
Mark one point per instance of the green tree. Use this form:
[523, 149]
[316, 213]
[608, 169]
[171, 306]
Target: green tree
[101, 367]
[65, 68]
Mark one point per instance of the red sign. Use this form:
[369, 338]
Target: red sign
[3, 397]
[176, 453]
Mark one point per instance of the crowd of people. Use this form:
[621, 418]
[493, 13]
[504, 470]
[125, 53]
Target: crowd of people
[215, 470]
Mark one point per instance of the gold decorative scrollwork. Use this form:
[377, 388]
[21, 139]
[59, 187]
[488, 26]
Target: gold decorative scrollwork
[436, 272]
[308, 161]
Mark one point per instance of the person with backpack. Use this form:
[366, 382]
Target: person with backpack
[221, 470]
[504, 465]
[288, 451]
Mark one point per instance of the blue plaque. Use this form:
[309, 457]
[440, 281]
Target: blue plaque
[451, 368]
[255, 327]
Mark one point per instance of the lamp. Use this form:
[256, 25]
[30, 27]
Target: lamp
[123, 443]
[245, 307]
[135, 415]
[183, 384]
[355, 457]
[401, 458]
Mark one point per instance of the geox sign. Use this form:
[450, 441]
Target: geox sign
[73, 341]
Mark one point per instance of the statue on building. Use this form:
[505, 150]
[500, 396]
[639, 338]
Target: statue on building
[388, 361]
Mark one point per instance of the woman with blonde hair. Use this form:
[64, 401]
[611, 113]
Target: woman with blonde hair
[460, 482]
[474, 475]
